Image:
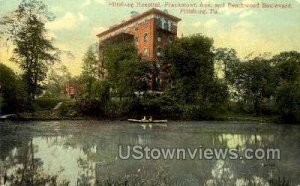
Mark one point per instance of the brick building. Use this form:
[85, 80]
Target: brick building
[150, 31]
[73, 88]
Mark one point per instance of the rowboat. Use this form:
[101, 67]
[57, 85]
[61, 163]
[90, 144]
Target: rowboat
[8, 117]
[147, 121]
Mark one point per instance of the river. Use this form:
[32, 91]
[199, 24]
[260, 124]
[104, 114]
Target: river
[87, 153]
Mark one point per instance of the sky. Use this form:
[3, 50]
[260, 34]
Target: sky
[248, 31]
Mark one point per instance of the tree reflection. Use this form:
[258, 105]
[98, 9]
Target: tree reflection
[20, 167]
[91, 153]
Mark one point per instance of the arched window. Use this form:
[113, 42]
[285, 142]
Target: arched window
[171, 39]
[170, 26]
[146, 23]
[145, 53]
[159, 51]
[166, 25]
[159, 36]
[159, 23]
[145, 37]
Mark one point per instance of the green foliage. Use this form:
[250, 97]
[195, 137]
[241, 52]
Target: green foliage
[100, 91]
[57, 81]
[94, 108]
[192, 66]
[279, 181]
[287, 67]
[7, 90]
[264, 86]
[288, 102]
[226, 62]
[254, 82]
[68, 109]
[44, 103]
[33, 50]
[164, 104]
[96, 92]
[125, 69]
[90, 71]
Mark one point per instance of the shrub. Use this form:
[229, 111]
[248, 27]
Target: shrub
[93, 108]
[288, 103]
[46, 103]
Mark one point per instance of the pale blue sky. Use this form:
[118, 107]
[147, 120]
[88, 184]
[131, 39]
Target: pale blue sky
[248, 31]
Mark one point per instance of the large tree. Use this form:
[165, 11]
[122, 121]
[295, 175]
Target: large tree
[57, 79]
[192, 63]
[126, 70]
[90, 70]
[33, 50]
[287, 68]
[7, 89]
[226, 61]
[255, 82]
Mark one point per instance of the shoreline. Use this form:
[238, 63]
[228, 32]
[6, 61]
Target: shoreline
[229, 118]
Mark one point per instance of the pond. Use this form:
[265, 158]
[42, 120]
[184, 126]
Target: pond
[87, 153]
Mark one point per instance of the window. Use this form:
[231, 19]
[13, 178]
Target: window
[171, 39]
[170, 26]
[145, 53]
[159, 51]
[146, 23]
[166, 25]
[159, 23]
[145, 37]
[159, 37]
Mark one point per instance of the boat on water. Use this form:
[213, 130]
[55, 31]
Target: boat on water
[9, 117]
[147, 121]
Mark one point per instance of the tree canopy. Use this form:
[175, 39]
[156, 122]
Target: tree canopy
[33, 50]
[126, 70]
[192, 61]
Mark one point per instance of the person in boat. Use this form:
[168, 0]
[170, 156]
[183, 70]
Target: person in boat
[151, 119]
[144, 118]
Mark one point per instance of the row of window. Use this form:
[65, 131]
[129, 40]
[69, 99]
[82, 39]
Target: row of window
[162, 23]
[165, 24]
[159, 38]
[158, 51]
[145, 25]
[145, 38]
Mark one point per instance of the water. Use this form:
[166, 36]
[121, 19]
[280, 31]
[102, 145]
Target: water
[86, 153]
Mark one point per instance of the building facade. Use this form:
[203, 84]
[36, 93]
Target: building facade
[150, 31]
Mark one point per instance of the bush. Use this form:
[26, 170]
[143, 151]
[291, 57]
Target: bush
[46, 103]
[288, 103]
[67, 109]
[93, 108]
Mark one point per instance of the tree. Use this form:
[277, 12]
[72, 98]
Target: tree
[57, 81]
[126, 70]
[33, 51]
[227, 61]
[288, 102]
[255, 82]
[287, 68]
[192, 63]
[90, 70]
[7, 89]
[11, 91]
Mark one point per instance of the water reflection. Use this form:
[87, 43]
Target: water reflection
[85, 153]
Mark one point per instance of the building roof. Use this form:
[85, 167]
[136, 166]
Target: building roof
[135, 18]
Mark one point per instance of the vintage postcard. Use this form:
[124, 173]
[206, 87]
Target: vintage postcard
[149, 92]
